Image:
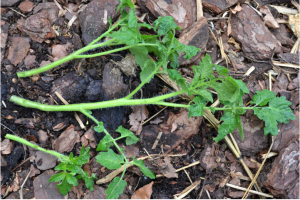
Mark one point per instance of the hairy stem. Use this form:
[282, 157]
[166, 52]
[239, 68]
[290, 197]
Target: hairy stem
[27, 143]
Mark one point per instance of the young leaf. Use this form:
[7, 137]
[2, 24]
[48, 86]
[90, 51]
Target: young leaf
[190, 51]
[228, 91]
[130, 137]
[71, 179]
[222, 71]
[164, 25]
[62, 166]
[125, 3]
[176, 76]
[83, 157]
[64, 187]
[147, 172]
[75, 169]
[115, 188]
[57, 177]
[99, 128]
[173, 57]
[196, 109]
[263, 97]
[132, 21]
[203, 71]
[278, 111]
[110, 159]
[89, 181]
[140, 54]
[227, 126]
[148, 69]
[105, 143]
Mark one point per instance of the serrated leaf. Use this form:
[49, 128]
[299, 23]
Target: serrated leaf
[147, 172]
[203, 71]
[99, 128]
[222, 71]
[149, 68]
[71, 179]
[190, 51]
[176, 76]
[129, 36]
[204, 93]
[144, 24]
[229, 124]
[173, 57]
[62, 166]
[74, 169]
[115, 188]
[130, 137]
[277, 111]
[57, 177]
[110, 159]
[263, 97]
[105, 143]
[89, 181]
[132, 20]
[196, 109]
[83, 157]
[164, 25]
[242, 86]
[239, 125]
[125, 3]
[212, 109]
[228, 90]
[140, 54]
[64, 187]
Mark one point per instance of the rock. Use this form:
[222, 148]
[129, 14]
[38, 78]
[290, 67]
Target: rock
[18, 50]
[98, 193]
[196, 35]
[9, 2]
[94, 18]
[283, 81]
[9, 68]
[94, 90]
[254, 139]
[66, 140]
[43, 189]
[39, 25]
[208, 158]
[45, 161]
[43, 137]
[30, 61]
[249, 30]
[283, 179]
[26, 6]
[71, 86]
[183, 12]
[217, 6]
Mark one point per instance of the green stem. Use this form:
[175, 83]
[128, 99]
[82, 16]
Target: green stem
[27, 143]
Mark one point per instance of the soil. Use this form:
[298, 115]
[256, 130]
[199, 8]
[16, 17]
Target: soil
[89, 83]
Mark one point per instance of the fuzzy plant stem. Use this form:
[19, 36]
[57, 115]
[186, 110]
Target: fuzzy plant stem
[27, 143]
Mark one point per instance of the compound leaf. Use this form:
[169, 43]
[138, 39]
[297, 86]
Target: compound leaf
[263, 97]
[130, 137]
[277, 111]
[110, 159]
[147, 172]
[115, 188]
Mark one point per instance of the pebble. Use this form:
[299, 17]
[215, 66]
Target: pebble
[9, 68]
[26, 6]
[14, 80]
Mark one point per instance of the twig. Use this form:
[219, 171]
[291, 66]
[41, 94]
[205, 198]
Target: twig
[157, 140]
[270, 81]
[188, 176]
[208, 194]
[250, 70]
[154, 115]
[216, 18]
[296, 46]
[252, 191]
[187, 190]
[75, 114]
[199, 9]
[276, 63]
[182, 168]
[22, 163]
[21, 189]
[17, 12]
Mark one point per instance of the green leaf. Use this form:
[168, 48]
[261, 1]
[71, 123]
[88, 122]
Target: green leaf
[228, 90]
[263, 97]
[147, 172]
[71, 179]
[62, 166]
[164, 25]
[277, 111]
[140, 54]
[83, 157]
[115, 188]
[176, 76]
[132, 21]
[89, 181]
[196, 109]
[57, 177]
[204, 93]
[239, 125]
[212, 109]
[203, 71]
[99, 128]
[173, 57]
[149, 68]
[74, 169]
[110, 159]
[242, 86]
[125, 3]
[222, 71]
[130, 137]
[128, 37]
[64, 187]
[190, 51]
[227, 126]
[105, 143]
[144, 24]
